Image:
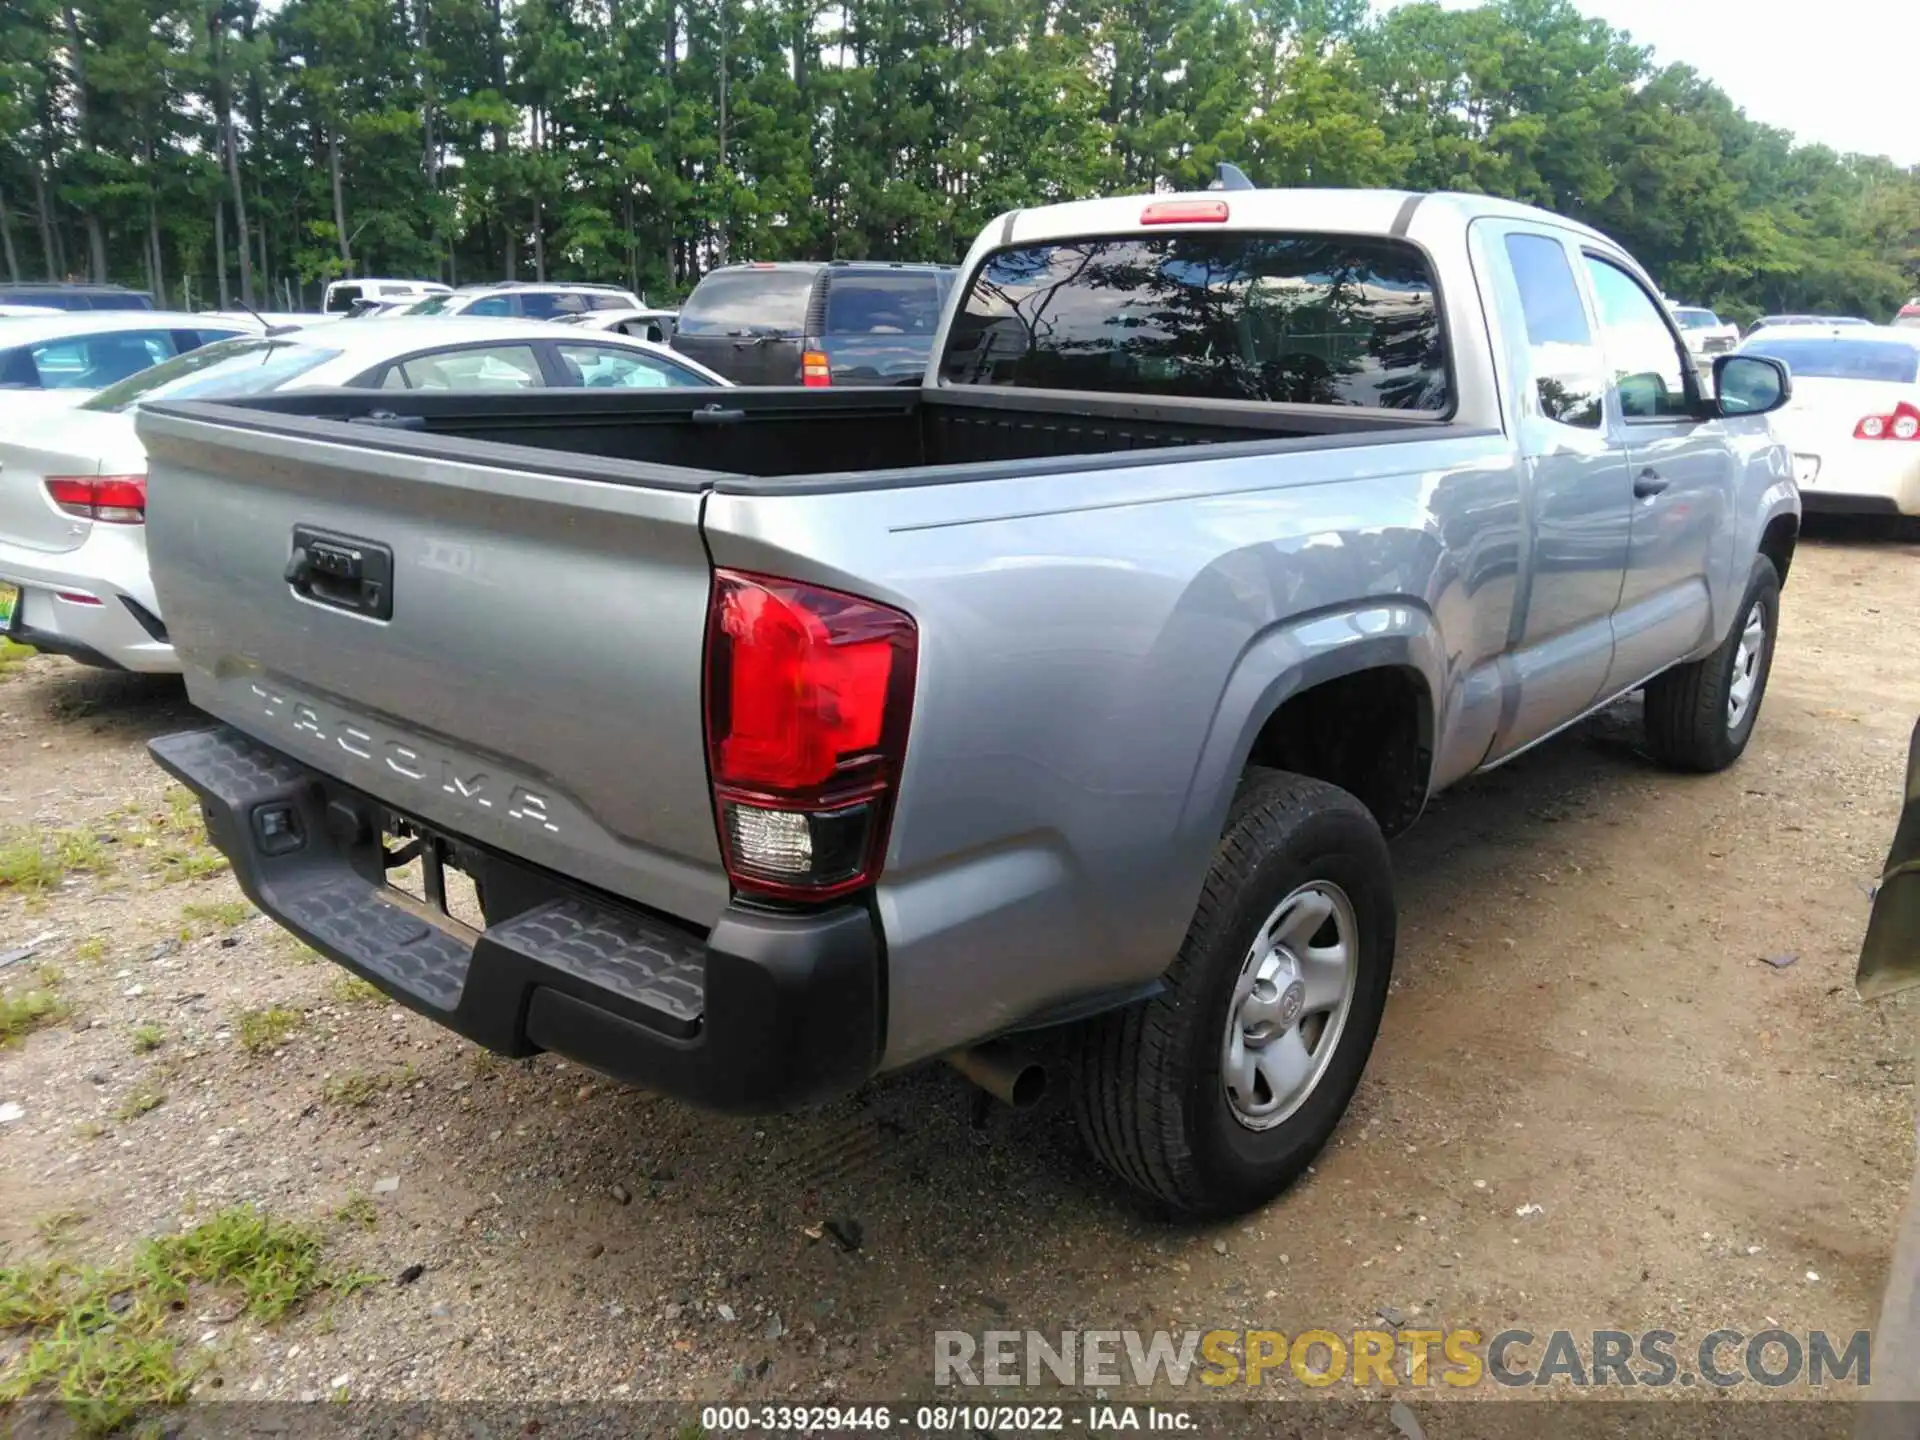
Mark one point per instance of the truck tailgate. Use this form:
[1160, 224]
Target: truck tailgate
[512, 654]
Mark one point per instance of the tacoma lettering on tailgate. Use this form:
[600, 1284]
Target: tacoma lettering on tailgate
[467, 785]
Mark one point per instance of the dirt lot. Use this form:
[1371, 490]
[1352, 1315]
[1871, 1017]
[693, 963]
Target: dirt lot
[1582, 1022]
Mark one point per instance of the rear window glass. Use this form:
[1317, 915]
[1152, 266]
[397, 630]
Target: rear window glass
[883, 304]
[748, 302]
[545, 304]
[252, 366]
[1844, 359]
[1303, 319]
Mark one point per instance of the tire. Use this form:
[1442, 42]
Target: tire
[1690, 724]
[1151, 1094]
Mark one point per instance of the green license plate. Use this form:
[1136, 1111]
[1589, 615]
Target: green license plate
[9, 597]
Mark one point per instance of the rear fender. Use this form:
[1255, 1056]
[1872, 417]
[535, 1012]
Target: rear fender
[1282, 662]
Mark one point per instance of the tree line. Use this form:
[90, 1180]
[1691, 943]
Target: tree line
[222, 150]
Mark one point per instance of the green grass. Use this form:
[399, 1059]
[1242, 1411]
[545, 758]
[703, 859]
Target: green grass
[355, 1088]
[224, 913]
[352, 990]
[147, 1038]
[91, 950]
[96, 1338]
[40, 862]
[13, 655]
[26, 1012]
[268, 1029]
[181, 863]
[141, 1102]
[203, 917]
[358, 1210]
[53, 1227]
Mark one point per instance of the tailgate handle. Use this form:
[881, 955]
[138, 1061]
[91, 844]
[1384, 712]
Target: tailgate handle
[341, 572]
[714, 415]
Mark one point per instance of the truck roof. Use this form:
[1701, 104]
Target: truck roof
[1370, 212]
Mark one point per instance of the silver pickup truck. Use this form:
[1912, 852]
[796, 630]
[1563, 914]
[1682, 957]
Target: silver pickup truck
[1061, 704]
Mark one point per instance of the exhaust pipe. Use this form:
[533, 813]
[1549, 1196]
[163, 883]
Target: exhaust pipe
[1011, 1076]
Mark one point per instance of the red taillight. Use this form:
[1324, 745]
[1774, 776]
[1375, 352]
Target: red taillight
[814, 370]
[808, 694]
[116, 499]
[1184, 212]
[1902, 424]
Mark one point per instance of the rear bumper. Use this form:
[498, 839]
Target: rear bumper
[93, 603]
[1816, 502]
[763, 1012]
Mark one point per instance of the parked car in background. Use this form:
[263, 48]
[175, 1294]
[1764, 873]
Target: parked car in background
[1704, 332]
[1775, 322]
[815, 323]
[1853, 424]
[73, 564]
[60, 295]
[654, 325]
[807, 736]
[367, 309]
[529, 299]
[340, 296]
[13, 312]
[1909, 316]
[52, 362]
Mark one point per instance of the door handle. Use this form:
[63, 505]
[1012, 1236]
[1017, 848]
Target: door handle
[1648, 483]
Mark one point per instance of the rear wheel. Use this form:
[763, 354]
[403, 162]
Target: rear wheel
[1213, 1097]
[1700, 716]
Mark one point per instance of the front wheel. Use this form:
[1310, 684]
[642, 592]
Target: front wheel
[1213, 1097]
[1700, 716]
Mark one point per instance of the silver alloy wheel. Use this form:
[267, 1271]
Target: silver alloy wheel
[1290, 1004]
[1746, 665]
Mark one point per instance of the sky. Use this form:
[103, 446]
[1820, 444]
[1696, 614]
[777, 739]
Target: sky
[1842, 73]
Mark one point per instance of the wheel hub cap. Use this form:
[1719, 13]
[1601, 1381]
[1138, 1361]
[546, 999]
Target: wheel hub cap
[1746, 666]
[1290, 1004]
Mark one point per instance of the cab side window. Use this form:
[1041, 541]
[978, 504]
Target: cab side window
[1649, 367]
[1569, 374]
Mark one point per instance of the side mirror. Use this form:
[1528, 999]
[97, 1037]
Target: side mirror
[1750, 384]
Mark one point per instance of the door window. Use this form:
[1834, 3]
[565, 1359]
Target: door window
[489, 367]
[92, 362]
[1568, 372]
[610, 367]
[1649, 367]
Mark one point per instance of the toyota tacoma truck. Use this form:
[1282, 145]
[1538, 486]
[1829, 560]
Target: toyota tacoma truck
[1060, 704]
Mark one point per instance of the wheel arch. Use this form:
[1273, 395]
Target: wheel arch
[1314, 695]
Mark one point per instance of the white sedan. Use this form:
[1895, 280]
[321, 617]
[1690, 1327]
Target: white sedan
[1853, 424]
[52, 361]
[73, 487]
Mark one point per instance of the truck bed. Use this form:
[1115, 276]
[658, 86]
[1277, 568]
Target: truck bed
[730, 439]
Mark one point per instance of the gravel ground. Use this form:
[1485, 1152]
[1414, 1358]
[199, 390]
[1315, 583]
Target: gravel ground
[1592, 1105]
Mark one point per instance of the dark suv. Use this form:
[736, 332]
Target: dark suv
[839, 322]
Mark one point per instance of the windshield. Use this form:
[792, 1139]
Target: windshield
[1302, 319]
[1813, 359]
[1696, 319]
[432, 305]
[234, 367]
[748, 302]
